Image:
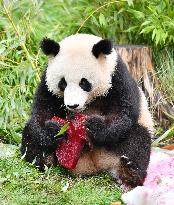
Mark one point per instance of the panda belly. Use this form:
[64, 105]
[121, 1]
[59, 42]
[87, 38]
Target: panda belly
[97, 160]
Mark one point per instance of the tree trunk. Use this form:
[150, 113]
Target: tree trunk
[140, 64]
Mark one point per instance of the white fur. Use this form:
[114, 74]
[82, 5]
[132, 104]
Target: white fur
[137, 196]
[75, 61]
[142, 195]
[73, 94]
[145, 118]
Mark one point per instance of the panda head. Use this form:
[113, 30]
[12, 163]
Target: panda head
[80, 68]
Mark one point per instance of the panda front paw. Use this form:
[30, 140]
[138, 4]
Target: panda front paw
[52, 127]
[95, 129]
[49, 139]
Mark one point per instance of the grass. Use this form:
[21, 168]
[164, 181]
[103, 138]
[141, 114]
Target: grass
[22, 184]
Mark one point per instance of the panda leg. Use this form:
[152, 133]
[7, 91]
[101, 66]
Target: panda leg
[134, 154]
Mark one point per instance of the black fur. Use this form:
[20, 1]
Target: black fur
[116, 129]
[85, 85]
[49, 47]
[136, 148]
[123, 99]
[104, 46]
[62, 84]
[38, 134]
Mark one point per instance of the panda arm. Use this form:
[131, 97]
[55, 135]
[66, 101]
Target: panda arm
[40, 130]
[125, 92]
[125, 95]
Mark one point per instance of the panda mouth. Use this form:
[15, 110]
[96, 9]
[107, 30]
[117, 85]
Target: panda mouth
[76, 110]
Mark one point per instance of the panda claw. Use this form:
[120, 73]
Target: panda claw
[129, 163]
[124, 157]
[126, 161]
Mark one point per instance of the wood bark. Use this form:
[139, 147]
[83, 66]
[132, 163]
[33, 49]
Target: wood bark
[139, 60]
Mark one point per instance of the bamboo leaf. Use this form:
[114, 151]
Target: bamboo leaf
[166, 134]
[102, 20]
[137, 14]
[130, 2]
[62, 130]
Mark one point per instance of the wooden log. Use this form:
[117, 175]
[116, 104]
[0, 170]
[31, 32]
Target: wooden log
[139, 60]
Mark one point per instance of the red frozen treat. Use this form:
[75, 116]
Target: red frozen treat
[68, 151]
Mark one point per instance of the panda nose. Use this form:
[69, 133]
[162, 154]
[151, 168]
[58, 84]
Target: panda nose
[73, 106]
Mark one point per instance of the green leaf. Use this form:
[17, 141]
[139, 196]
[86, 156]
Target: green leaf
[146, 23]
[154, 33]
[2, 50]
[165, 135]
[94, 20]
[137, 14]
[62, 130]
[120, 11]
[132, 28]
[130, 2]
[102, 20]
[158, 38]
[147, 29]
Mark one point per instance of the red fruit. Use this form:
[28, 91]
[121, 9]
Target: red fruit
[68, 152]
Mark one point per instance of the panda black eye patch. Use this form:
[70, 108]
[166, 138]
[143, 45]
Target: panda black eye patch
[85, 85]
[62, 84]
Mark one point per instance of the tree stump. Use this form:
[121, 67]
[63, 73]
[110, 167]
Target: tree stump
[139, 61]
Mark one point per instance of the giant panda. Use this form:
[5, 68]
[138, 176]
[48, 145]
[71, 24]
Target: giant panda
[85, 74]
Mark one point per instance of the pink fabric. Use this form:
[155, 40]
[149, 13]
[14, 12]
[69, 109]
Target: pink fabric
[158, 187]
[161, 165]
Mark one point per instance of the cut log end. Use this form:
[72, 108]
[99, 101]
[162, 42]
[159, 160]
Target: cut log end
[139, 61]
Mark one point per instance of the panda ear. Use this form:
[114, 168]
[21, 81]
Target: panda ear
[49, 47]
[102, 47]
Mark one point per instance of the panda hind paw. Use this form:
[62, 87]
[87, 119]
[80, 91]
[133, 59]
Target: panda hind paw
[130, 174]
